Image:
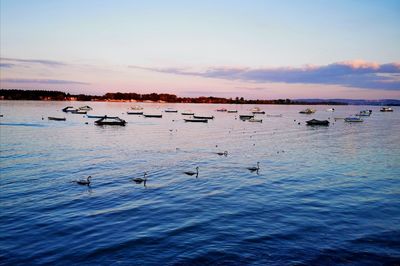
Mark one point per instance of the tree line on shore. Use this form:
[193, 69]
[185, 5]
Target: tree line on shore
[45, 95]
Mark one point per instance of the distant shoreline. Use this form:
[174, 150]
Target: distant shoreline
[44, 95]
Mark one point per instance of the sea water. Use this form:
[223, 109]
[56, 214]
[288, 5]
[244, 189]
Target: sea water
[322, 195]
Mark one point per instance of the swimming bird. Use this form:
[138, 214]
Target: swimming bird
[84, 182]
[253, 168]
[139, 180]
[223, 153]
[193, 173]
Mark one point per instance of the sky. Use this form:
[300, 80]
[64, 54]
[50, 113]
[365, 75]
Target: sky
[254, 49]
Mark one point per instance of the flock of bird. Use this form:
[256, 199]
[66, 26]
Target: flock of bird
[140, 180]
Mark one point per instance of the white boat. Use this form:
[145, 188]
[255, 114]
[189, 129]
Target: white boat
[330, 110]
[85, 108]
[364, 113]
[353, 119]
[137, 107]
[386, 109]
[255, 109]
[308, 111]
[170, 110]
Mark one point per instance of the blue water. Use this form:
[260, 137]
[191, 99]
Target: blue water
[323, 195]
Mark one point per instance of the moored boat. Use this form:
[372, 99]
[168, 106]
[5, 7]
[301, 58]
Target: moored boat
[134, 113]
[315, 122]
[330, 110]
[56, 118]
[68, 109]
[353, 119]
[197, 120]
[110, 121]
[364, 113]
[170, 110]
[307, 111]
[255, 120]
[187, 113]
[386, 109]
[77, 111]
[222, 110]
[152, 116]
[85, 108]
[100, 116]
[137, 107]
[246, 117]
[203, 117]
[232, 111]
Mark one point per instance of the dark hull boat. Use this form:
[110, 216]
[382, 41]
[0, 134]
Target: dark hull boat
[110, 121]
[203, 117]
[79, 112]
[101, 116]
[315, 122]
[386, 109]
[197, 120]
[258, 112]
[232, 111]
[57, 118]
[68, 109]
[171, 111]
[246, 117]
[134, 113]
[153, 116]
[187, 113]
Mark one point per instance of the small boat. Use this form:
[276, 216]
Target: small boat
[152, 116]
[330, 110]
[85, 108]
[68, 109]
[315, 122]
[258, 112]
[101, 116]
[197, 120]
[255, 120]
[280, 115]
[57, 118]
[307, 111]
[255, 109]
[246, 117]
[203, 117]
[110, 121]
[137, 107]
[170, 110]
[364, 113]
[222, 110]
[353, 119]
[187, 113]
[386, 109]
[232, 111]
[134, 113]
[77, 111]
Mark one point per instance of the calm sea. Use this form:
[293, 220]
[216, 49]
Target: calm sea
[322, 196]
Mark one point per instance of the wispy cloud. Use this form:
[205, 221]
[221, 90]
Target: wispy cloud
[6, 65]
[34, 61]
[357, 74]
[42, 81]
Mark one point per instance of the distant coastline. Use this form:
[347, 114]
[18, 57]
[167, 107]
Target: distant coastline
[45, 95]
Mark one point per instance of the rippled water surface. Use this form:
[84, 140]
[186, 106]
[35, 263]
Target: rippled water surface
[323, 195]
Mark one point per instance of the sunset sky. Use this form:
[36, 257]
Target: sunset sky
[255, 49]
